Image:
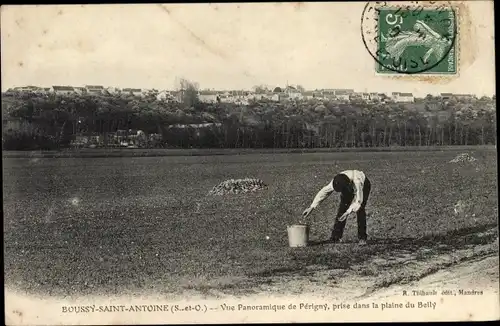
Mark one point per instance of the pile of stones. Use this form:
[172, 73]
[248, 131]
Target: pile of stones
[463, 158]
[237, 186]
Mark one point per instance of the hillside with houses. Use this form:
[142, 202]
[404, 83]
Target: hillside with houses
[278, 94]
[280, 117]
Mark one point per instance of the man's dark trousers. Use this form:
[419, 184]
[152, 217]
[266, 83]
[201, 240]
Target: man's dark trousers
[345, 202]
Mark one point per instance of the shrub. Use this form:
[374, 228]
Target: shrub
[27, 137]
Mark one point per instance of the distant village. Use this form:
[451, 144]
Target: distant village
[278, 94]
[137, 138]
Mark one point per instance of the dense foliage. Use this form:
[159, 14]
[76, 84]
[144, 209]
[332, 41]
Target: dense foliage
[51, 121]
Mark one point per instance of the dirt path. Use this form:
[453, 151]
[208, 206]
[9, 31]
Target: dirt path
[475, 273]
[478, 274]
[475, 266]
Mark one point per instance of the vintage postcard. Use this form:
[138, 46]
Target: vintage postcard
[249, 162]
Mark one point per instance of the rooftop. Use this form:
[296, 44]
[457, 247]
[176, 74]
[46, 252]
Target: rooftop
[339, 89]
[63, 88]
[208, 93]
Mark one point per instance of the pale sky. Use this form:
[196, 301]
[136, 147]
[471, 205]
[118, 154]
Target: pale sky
[221, 46]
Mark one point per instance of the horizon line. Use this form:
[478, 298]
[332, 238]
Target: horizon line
[246, 89]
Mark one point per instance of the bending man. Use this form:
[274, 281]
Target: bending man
[354, 188]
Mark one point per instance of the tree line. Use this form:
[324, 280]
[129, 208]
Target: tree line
[50, 121]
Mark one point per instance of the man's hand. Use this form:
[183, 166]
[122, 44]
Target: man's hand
[345, 215]
[352, 209]
[307, 211]
[355, 207]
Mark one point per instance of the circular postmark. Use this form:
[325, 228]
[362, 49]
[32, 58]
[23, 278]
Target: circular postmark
[416, 37]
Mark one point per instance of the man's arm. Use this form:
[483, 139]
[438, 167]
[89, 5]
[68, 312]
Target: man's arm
[358, 198]
[322, 195]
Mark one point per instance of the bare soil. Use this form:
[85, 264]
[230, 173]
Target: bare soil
[91, 226]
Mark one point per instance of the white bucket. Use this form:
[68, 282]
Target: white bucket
[298, 235]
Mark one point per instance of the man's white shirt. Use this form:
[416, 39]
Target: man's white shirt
[358, 178]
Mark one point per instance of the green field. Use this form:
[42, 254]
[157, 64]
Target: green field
[90, 225]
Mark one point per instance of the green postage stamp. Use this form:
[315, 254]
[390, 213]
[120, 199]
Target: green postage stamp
[411, 38]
